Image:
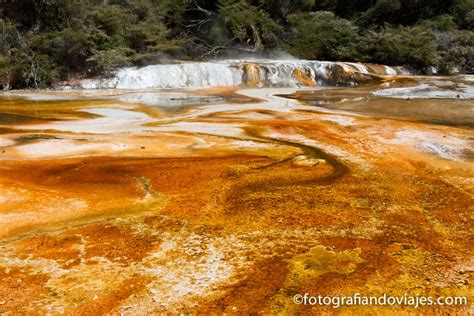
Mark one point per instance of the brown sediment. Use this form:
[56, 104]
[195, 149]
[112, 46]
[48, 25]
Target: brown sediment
[231, 93]
[18, 288]
[338, 167]
[109, 185]
[252, 75]
[192, 221]
[340, 76]
[304, 78]
[113, 299]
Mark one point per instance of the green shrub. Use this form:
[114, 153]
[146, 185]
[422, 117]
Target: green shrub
[457, 52]
[5, 73]
[410, 46]
[443, 22]
[104, 61]
[382, 10]
[322, 35]
[21, 70]
[69, 47]
[281, 9]
[20, 66]
[249, 24]
[464, 13]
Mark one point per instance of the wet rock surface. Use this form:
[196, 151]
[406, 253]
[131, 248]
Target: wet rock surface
[110, 205]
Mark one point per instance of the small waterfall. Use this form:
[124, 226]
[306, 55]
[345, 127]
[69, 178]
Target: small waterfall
[185, 75]
[254, 73]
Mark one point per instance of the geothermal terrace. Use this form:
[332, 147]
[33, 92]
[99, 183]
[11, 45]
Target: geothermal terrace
[234, 192]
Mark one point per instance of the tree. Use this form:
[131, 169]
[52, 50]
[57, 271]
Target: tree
[411, 46]
[249, 24]
[457, 52]
[281, 9]
[464, 12]
[322, 35]
[19, 64]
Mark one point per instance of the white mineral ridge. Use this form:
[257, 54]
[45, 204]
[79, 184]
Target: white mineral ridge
[430, 90]
[224, 73]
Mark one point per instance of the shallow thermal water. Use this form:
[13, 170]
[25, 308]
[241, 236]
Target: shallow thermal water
[441, 100]
[234, 199]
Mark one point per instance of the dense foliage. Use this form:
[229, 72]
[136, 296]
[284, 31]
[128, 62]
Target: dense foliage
[44, 41]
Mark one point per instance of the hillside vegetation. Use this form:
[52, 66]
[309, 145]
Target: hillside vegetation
[45, 41]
